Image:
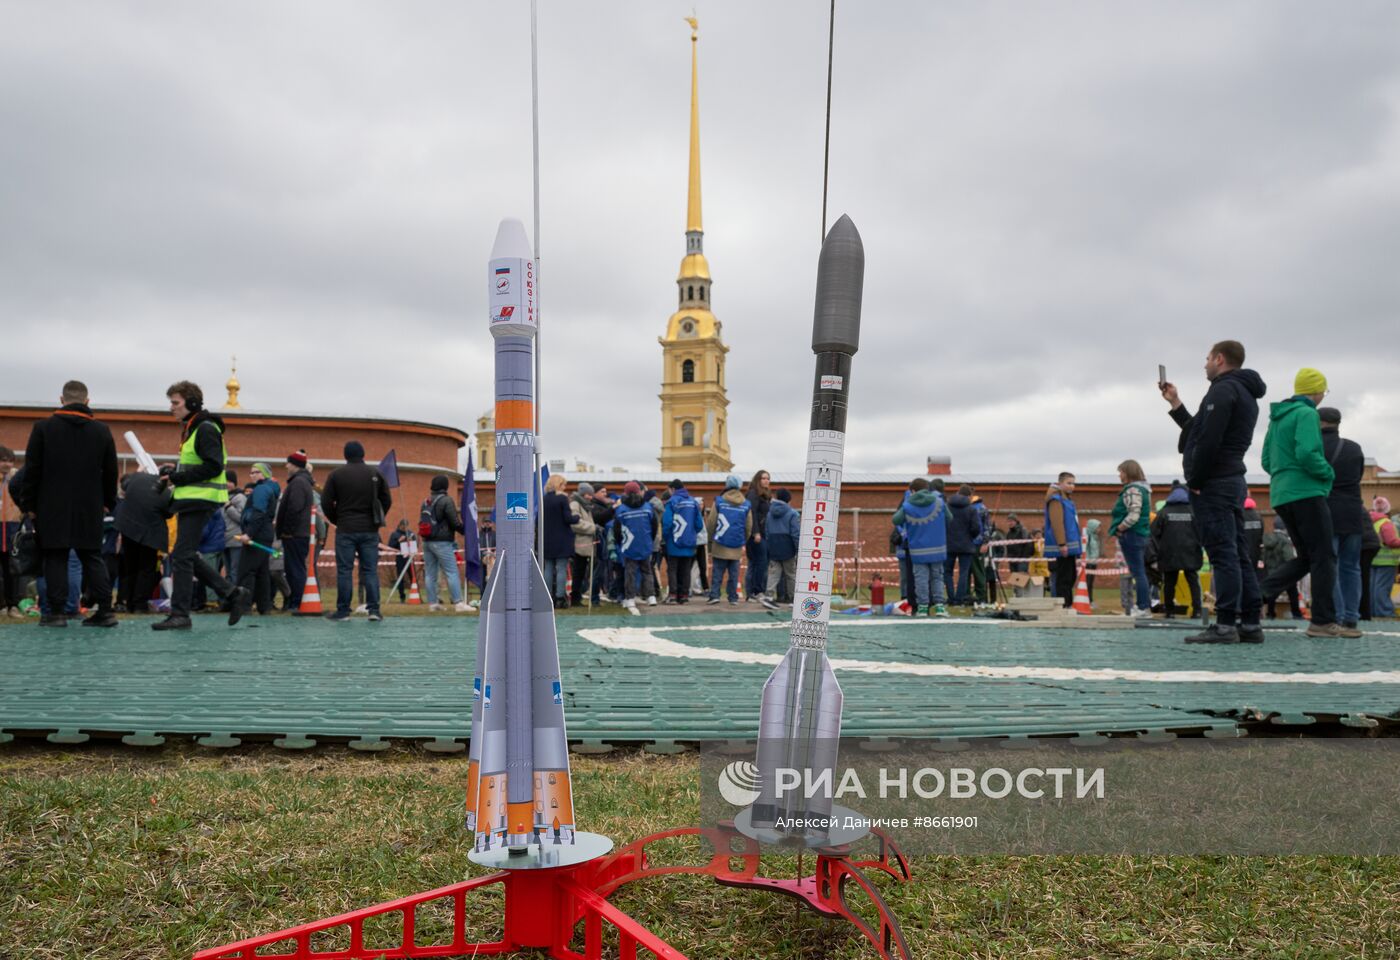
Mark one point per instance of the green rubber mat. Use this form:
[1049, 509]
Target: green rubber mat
[662, 680]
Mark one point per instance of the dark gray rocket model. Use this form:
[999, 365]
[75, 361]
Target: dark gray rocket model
[800, 716]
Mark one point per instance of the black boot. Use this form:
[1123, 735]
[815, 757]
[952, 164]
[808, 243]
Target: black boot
[1251, 633]
[172, 622]
[49, 620]
[238, 602]
[101, 619]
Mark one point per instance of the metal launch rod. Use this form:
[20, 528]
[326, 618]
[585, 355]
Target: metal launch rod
[535, 138]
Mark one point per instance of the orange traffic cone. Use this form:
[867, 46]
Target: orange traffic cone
[1081, 604]
[413, 585]
[311, 595]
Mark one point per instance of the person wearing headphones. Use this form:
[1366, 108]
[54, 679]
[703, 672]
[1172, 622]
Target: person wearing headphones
[199, 486]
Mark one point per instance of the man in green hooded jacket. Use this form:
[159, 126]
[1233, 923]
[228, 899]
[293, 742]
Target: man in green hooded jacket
[1300, 478]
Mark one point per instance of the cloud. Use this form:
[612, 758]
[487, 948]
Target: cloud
[1054, 199]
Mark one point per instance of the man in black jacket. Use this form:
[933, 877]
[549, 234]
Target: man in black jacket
[294, 525]
[355, 499]
[70, 476]
[198, 488]
[964, 538]
[1350, 521]
[1212, 446]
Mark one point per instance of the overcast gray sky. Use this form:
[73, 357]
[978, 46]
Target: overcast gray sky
[1055, 197]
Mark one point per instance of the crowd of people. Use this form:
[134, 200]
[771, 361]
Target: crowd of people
[663, 545]
[189, 536]
[1323, 532]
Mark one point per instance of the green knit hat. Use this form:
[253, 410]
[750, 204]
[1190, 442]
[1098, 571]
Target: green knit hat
[264, 469]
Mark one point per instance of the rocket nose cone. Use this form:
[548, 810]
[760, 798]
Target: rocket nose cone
[511, 241]
[840, 279]
[844, 229]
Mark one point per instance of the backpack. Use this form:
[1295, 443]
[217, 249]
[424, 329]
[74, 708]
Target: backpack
[427, 523]
[24, 551]
[430, 525]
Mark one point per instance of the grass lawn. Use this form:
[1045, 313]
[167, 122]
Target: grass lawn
[116, 853]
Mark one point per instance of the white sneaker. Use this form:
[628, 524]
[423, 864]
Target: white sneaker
[436, 606]
[1141, 613]
[631, 607]
[362, 608]
[466, 606]
[651, 600]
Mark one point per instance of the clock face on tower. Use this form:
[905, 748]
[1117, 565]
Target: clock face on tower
[687, 328]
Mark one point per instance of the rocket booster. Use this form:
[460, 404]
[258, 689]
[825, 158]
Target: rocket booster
[800, 716]
[518, 786]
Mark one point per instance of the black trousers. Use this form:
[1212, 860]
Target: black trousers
[1193, 581]
[1368, 554]
[1310, 528]
[186, 564]
[1271, 602]
[1065, 568]
[139, 575]
[94, 574]
[678, 576]
[255, 577]
[580, 579]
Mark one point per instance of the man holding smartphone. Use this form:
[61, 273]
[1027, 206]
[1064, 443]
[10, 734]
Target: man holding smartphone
[1212, 446]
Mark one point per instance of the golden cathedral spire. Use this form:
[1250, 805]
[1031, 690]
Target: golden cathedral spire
[692, 212]
[694, 404]
[694, 265]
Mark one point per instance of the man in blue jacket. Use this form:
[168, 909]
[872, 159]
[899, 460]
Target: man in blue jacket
[679, 523]
[635, 528]
[923, 517]
[1062, 540]
[259, 511]
[784, 532]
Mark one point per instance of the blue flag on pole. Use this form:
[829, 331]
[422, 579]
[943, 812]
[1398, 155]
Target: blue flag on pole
[389, 469]
[471, 545]
[543, 478]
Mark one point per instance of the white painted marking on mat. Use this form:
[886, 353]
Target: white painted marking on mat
[861, 622]
[643, 640]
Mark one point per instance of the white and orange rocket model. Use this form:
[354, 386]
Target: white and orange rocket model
[518, 787]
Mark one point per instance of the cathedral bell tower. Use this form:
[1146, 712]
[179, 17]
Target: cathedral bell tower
[694, 407]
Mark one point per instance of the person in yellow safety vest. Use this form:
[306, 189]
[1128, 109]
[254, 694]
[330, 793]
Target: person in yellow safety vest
[199, 488]
[1383, 566]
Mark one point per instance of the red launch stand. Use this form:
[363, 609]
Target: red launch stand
[545, 901]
